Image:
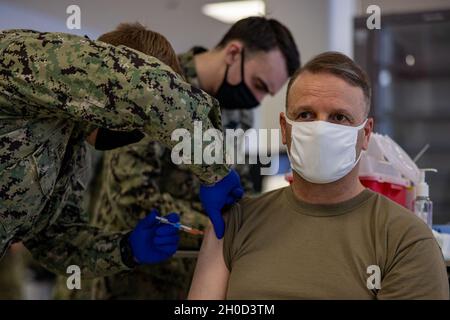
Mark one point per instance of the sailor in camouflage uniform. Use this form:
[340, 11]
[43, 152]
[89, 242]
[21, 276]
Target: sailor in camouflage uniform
[134, 180]
[142, 176]
[56, 89]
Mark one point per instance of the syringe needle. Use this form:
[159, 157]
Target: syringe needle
[180, 226]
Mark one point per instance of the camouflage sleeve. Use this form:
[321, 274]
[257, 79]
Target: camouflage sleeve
[71, 241]
[114, 87]
[62, 235]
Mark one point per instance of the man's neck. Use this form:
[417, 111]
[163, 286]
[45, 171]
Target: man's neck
[210, 70]
[329, 193]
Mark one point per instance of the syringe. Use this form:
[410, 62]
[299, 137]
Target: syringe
[180, 226]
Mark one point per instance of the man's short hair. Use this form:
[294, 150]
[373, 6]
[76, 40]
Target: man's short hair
[262, 34]
[341, 66]
[137, 37]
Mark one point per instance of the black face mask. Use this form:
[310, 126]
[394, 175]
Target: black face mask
[109, 139]
[236, 96]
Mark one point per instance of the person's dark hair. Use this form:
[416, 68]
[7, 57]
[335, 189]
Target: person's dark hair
[262, 34]
[341, 66]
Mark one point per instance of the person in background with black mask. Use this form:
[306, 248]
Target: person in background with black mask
[253, 59]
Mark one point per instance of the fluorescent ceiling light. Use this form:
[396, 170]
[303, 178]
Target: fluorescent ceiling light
[232, 11]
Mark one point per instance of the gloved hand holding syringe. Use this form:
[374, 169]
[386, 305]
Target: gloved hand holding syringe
[180, 226]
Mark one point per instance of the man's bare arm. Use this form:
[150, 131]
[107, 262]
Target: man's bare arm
[211, 274]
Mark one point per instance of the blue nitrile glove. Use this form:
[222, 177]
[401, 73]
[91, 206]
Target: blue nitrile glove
[225, 192]
[152, 241]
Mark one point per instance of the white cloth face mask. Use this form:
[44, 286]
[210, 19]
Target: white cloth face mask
[321, 151]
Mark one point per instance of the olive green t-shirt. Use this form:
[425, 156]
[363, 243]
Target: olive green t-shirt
[279, 247]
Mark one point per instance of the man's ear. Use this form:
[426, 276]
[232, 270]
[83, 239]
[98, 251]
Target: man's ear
[233, 51]
[283, 126]
[368, 128]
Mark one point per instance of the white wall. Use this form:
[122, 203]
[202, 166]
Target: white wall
[181, 21]
[341, 14]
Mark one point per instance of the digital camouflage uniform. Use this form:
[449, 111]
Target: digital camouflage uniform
[55, 89]
[135, 179]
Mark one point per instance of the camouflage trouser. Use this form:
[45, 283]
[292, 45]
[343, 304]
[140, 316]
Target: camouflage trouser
[12, 275]
[167, 280]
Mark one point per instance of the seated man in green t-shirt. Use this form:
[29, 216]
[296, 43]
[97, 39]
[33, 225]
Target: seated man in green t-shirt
[325, 236]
